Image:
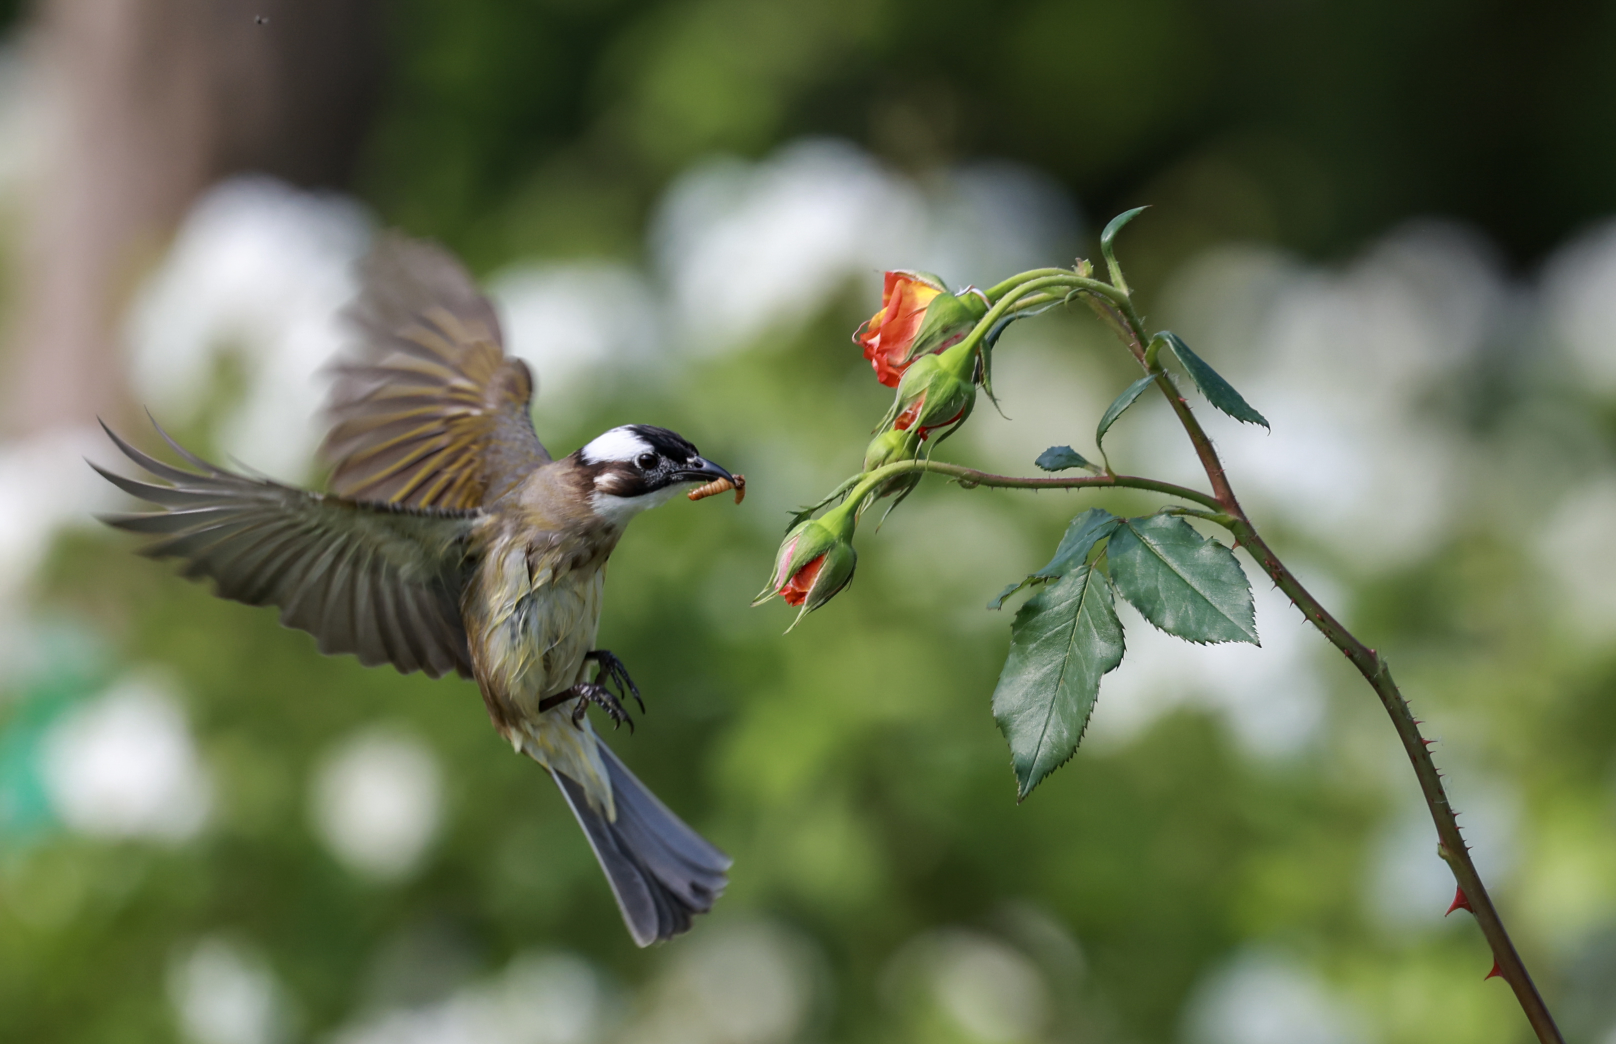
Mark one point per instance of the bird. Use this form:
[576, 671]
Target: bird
[451, 541]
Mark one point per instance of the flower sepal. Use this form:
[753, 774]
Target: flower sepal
[937, 391]
[948, 319]
[892, 446]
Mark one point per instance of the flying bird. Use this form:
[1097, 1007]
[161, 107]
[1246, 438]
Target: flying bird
[452, 541]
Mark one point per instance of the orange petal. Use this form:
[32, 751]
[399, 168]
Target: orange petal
[796, 592]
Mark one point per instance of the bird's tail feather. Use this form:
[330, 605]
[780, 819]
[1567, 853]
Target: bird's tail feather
[661, 871]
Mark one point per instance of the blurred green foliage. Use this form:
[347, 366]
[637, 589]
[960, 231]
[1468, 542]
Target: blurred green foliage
[514, 127]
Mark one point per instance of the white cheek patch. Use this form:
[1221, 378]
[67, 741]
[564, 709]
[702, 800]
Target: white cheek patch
[618, 510]
[618, 444]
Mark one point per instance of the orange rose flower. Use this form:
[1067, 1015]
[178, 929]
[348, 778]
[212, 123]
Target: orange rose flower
[889, 336]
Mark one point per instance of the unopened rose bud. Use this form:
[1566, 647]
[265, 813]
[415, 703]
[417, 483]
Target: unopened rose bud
[918, 317]
[815, 561]
[892, 446]
[938, 390]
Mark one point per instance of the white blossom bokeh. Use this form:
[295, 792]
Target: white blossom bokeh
[376, 800]
[538, 998]
[224, 992]
[1264, 996]
[124, 765]
[257, 274]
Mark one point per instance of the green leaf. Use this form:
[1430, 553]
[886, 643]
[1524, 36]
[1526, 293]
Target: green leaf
[1108, 237]
[1086, 530]
[1219, 392]
[1186, 584]
[997, 602]
[1060, 458]
[1123, 401]
[1062, 641]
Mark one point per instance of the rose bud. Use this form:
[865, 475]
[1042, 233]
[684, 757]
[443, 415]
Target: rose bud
[918, 316]
[937, 390]
[890, 447]
[816, 560]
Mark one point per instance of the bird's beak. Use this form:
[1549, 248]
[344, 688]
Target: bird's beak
[703, 470]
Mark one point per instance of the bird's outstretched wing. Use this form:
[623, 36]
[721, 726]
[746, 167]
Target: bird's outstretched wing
[382, 581]
[428, 410]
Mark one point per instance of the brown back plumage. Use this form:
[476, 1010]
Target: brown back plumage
[427, 410]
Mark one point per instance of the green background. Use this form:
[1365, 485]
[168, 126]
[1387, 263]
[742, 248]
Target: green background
[852, 768]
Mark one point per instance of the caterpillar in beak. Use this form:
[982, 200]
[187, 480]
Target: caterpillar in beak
[722, 485]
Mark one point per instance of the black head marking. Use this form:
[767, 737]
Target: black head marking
[634, 460]
[669, 445]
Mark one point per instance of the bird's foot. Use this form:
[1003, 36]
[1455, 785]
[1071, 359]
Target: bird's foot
[602, 697]
[612, 672]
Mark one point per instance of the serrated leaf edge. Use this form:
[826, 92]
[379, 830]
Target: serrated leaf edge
[1250, 629]
[1194, 365]
[1025, 788]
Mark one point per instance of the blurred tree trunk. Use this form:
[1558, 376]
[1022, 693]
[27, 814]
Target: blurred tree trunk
[149, 102]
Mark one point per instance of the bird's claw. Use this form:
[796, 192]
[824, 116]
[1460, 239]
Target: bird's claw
[602, 697]
[612, 672]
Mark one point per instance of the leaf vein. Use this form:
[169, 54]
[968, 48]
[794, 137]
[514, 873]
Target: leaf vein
[1188, 581]
[1060, 677]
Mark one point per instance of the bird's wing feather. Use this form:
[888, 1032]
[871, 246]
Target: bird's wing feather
[382, 581]
[428, 410]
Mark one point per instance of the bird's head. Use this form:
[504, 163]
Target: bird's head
[639, 466]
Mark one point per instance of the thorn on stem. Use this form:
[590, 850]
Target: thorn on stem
[1496, 971]
[1460, 902]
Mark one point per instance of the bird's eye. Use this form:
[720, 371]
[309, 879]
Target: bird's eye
[646, 461]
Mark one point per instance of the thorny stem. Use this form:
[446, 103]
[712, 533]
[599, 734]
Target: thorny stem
[971, 477]
[1451, 846]
[1375, 670]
